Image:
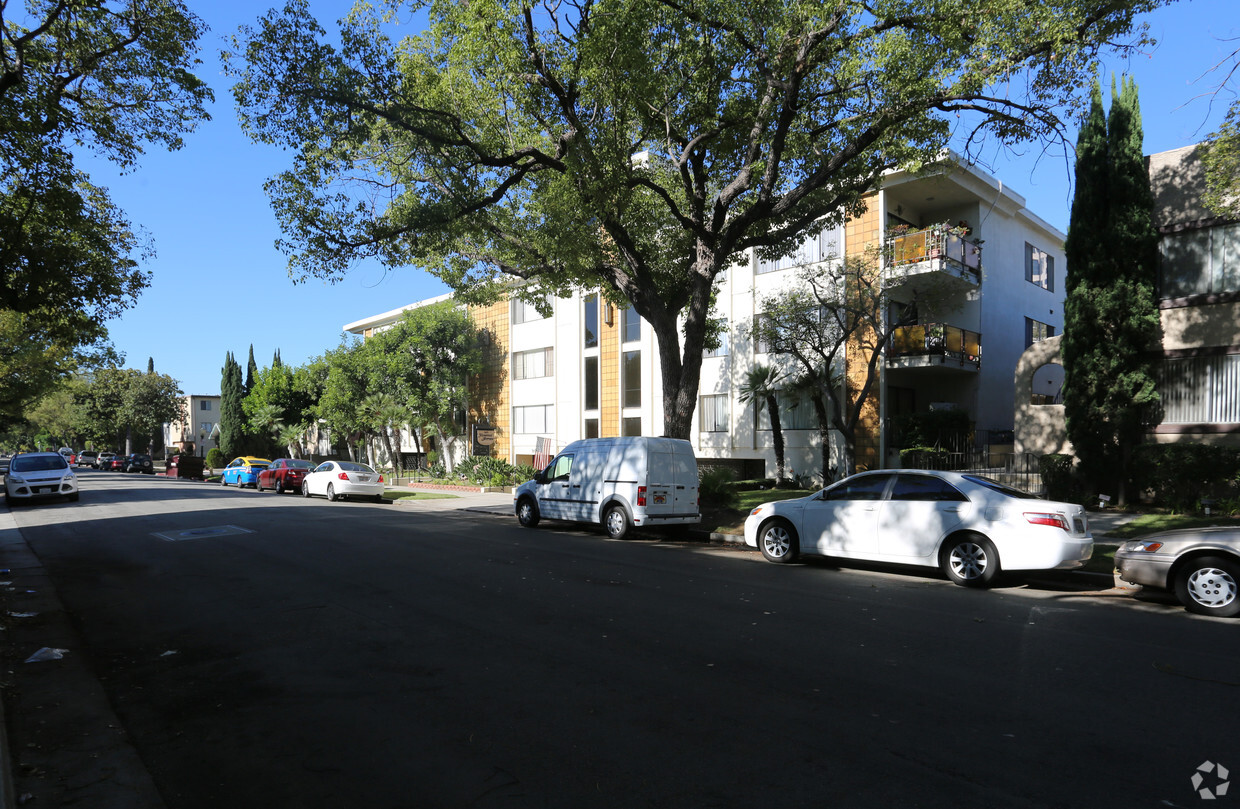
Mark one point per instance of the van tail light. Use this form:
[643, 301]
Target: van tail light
[1046, 518]
[641, 496]
[343, 476]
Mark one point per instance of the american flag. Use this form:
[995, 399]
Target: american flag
[542, 452]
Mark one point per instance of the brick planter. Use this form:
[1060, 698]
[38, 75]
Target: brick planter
[452, 487]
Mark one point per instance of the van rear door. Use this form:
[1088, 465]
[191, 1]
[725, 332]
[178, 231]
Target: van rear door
[686, 481]
[661, 483]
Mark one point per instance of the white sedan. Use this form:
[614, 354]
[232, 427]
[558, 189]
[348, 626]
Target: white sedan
[969, 526]
[39, 475]
[336, 479]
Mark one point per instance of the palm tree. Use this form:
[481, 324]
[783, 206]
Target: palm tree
[383, 415]
[760, 387]
[291, 437]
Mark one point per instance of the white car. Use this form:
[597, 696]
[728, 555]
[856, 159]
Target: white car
[969, 526]
[39, 475]
[336, 479]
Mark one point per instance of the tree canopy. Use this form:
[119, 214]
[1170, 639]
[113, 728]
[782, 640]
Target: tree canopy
[104, 77]
[637, 146]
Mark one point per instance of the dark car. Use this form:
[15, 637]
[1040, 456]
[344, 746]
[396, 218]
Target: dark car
[284, 475]
[116, 464]
[139, 463]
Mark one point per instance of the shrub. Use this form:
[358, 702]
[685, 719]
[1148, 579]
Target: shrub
[216, 458]
[1177, 476]
[925, 458]
[1059, 478]
[715, 488]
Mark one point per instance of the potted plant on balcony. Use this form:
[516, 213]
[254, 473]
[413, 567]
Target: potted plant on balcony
[935, 336]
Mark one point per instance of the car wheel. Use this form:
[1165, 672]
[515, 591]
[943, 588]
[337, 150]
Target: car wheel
[305, 489]
[616, 522]
[777, 540]
[970, 560]
[331, 493]
[527, 512]
[223, 480]
[279, 485]
[379, 498]
[1207, 586]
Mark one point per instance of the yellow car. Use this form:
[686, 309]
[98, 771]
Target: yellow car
[244, 471]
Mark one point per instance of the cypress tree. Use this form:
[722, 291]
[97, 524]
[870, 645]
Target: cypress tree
[1111, 321]
[251, 371]
[232, 417]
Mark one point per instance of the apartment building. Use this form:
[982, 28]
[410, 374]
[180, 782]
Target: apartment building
[591, 369]
[1199, 301]
[197, 428]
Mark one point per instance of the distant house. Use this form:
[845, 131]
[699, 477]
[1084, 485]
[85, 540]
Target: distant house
[198, 430]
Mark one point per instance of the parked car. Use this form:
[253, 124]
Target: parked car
[969, 526]
[116, 463]
[244, 471]
[87, 457]
[39, 475]
[1200, 565]
[4, 464]
[336, 479]
[104, 459]
[284, 475]
[139, 463]
[617, 483]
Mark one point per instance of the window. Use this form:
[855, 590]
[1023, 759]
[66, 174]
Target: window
[589, 337]
[1200, 390]
[713, 413]
[1039, 267]
[631, 425]
[533, 418]
[631, 379]
[525, 312]
[864, 487]
[1200, 262]
[795, 413]
[205, 404]
[205, 428]
[924, 487]
[532, 364]
[591, 383]
[816, 245]
[722, 349]
[591, 428]
[760, 344]
[630, 325]
[561, 467]
[1036, 332]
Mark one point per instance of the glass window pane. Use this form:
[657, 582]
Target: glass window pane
[1185, 264]
[1225, 254]
[591, 383]
[590, 324]
[868, 487]
[631, 371]
[631, 324]
[632, 426]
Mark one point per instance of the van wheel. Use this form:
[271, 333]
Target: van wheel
[616, 522]
[527, 512]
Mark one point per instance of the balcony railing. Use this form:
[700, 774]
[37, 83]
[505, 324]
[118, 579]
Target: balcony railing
[929, 344]
[938, 248]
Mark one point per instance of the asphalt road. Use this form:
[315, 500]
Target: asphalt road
[294, 653]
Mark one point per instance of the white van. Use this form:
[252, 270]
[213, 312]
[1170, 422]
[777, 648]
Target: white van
[619, 483]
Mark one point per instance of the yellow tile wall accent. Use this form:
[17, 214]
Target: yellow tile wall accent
[861, 234]
[609, 370]
[490, 392]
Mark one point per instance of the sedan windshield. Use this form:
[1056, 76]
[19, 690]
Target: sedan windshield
[38, 463]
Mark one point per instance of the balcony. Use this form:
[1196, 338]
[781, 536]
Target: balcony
[935, 345]
[939, 248]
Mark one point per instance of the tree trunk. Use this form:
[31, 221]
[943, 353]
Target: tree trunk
[681, 370]
[777, 433]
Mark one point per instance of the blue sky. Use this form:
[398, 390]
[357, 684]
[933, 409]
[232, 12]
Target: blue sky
[220, 285]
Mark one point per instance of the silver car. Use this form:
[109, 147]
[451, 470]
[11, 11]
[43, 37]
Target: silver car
[39, 475]
[1201, 565]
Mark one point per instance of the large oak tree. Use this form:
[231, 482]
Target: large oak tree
[640, 146]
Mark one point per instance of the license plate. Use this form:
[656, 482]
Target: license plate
[363, 478]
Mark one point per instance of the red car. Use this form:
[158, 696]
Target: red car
[284, 475]
[117, 464]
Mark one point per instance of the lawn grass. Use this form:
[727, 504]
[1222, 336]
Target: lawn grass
[732, 520]
[402, 494]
